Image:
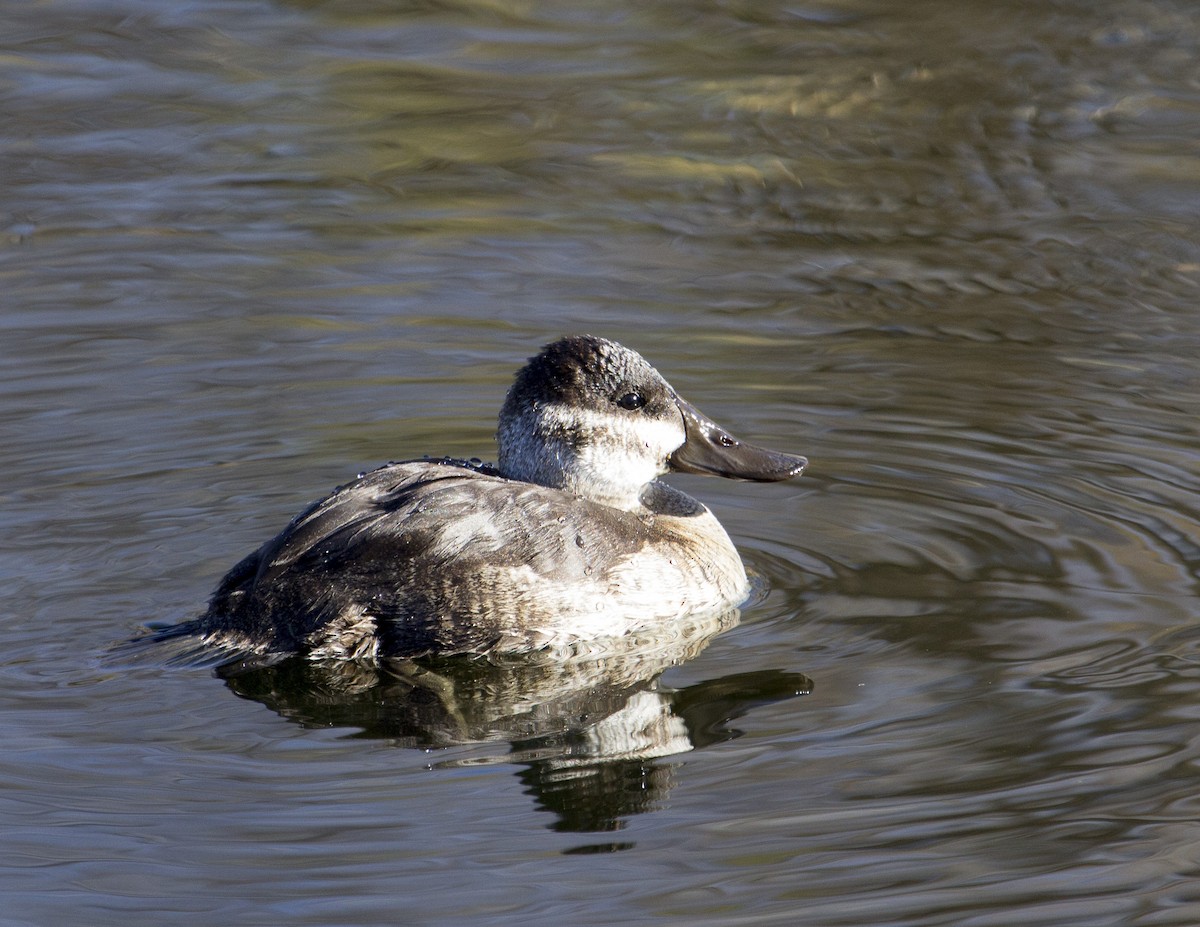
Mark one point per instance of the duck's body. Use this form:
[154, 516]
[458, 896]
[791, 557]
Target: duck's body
[569, 539]
[378, 567]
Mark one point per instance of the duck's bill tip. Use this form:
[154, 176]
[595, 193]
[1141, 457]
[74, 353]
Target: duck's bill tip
[781, 467]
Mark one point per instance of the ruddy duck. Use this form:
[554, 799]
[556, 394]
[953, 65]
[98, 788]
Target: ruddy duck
[569, 538]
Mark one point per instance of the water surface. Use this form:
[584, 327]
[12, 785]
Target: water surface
[948, 251]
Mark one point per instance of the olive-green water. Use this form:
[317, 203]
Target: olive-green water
[950, 251]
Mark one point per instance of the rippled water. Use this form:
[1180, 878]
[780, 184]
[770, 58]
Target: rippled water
[948, 251]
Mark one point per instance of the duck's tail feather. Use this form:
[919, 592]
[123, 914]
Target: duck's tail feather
[189, 643]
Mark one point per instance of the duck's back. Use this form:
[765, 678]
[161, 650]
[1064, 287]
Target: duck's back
[444, 557]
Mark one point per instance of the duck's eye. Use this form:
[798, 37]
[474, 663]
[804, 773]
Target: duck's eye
[632, 401]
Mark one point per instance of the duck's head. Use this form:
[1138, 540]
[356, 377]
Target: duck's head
[591, 417]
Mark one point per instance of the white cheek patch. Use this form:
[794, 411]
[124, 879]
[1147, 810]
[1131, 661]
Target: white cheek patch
[639, 436]
[636, 456]
[619, 454]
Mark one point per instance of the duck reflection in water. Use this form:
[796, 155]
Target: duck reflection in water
[590, 732]
[444, 601]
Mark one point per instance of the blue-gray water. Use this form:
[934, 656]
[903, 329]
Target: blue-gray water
[950, 251]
